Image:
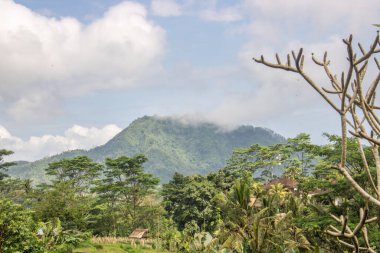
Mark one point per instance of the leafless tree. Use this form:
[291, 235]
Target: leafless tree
[352, 234]
[353, 97]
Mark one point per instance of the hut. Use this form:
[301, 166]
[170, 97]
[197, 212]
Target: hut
[139, 233]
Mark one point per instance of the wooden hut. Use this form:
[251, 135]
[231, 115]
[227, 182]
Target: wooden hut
[139, 233]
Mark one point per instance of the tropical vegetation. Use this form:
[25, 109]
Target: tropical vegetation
[289, 196]
[234, 209]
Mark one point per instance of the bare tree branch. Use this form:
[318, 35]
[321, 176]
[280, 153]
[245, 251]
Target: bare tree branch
[358, 118]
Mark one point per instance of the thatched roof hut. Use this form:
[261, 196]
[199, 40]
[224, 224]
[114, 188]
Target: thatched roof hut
[139, 233]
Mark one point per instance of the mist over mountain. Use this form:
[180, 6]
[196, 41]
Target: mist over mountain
[171, 145]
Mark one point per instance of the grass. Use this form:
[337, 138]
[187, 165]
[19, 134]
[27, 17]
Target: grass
[111, 248]
[114, 248]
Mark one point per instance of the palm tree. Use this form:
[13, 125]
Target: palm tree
[278, 191]
[250, 229]
[245, 227]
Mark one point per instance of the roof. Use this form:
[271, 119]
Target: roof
[285, 181]
[139, 233]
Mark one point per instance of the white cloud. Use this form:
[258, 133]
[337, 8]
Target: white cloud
[37, 147]
[283, 26]
[165, 8]
[39, 105]
[227, 14]
[209, 10]
[277, 92]
[63, 57]
[352, 15]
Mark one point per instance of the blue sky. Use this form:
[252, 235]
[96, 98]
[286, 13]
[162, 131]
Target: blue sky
[75, 72]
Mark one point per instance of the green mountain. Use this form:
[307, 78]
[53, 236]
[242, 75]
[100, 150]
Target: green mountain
[170, 145]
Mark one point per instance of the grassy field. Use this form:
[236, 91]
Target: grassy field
[114, 248]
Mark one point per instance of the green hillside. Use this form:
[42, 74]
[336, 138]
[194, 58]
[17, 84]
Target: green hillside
[169, 145]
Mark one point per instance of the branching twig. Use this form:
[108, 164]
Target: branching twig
[358, 100]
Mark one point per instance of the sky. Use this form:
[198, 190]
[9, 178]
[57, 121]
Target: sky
[74, 73]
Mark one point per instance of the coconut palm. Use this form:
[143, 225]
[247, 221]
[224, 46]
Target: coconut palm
[278, 191]
[251, 229]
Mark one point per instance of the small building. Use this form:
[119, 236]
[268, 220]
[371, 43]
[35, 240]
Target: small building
[139, 233]
[288, 183]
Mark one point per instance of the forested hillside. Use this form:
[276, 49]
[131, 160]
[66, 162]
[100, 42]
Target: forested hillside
[170, 145]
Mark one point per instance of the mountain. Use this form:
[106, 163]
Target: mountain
[170, 145]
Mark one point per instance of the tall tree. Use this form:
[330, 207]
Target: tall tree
[293, 158]
[62, 201]
[4, 165]
[189, 199]
[267, 228]
[124, 187]
[79, 171]
[10, 188]
[67, 198]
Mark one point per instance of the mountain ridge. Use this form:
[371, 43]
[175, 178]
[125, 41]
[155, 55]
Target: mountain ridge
[170, 145]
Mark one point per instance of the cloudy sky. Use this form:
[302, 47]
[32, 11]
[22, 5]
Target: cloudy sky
[73, 73]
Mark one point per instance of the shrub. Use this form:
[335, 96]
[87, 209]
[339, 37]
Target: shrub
[17, 229]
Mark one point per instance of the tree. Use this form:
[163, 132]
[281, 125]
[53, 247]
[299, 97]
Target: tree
[189, 200]
[353, 96]
[124, 187]
[249, 228]
[79, 171]
[293, 158]
[4, 165]
[14, 189]
[62, 201]
[67, 198]
[303, 152]
[17, 190]
[332, 196]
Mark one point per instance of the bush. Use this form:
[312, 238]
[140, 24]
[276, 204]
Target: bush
[17, 229]
[64, 249]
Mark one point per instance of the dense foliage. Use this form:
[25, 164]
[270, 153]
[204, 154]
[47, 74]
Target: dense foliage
[243, 207]
[169, 145]
[16, 229]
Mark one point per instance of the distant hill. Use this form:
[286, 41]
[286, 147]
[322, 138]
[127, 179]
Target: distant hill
[170, 145]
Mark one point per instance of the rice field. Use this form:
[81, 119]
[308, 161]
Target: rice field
[118, 245]
[114, 248]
